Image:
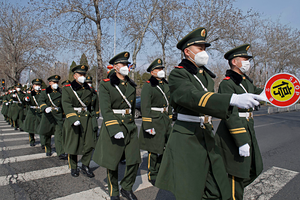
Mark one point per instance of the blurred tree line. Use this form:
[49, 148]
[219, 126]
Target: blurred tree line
[32, 37]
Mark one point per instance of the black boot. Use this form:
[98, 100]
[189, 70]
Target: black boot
[128, 194]
[63, 156]
[114, 198]
[74, 172]
[86, 170]
[48, 154]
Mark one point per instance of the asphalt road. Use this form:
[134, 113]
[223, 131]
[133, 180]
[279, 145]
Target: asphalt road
[26, 173]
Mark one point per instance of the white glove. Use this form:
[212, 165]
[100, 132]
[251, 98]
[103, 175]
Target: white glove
[246, 100]
[47, 110]
[119, 135]
[27, 99]
[6, 104]
[77, 123]
[151, 131]
[14, 95]
[244, 150]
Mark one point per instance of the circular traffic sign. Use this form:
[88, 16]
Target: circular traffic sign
[282, 90]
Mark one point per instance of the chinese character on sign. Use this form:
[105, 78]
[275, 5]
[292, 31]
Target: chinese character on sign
[282, 89]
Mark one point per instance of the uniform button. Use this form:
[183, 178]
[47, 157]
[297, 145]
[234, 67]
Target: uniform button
[122, 120]
[129, 119]
[86, 115]
[78, 115]
[131, 100]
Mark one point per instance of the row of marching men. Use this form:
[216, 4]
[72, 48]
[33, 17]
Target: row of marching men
[183, 159]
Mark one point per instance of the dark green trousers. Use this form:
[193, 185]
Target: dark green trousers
[154, 162]
[238, 185]
[47, 139]
[85, 159]
[31, 138]
[126, 183]
[58, 140]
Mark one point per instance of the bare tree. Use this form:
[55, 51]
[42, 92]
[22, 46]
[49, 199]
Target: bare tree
[85, 24]
[136, 24]
[24, 42]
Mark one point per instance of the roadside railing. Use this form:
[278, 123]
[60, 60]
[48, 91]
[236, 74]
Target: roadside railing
[272, 109]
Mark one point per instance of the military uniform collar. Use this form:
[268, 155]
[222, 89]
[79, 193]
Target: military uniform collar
[237, 78]
[50, 90]
[190, 67]
[33, 93]
[154, 82]
[114, 80]
[76, 86]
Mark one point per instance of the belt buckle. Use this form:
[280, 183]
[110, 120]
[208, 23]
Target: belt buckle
[126, 111]
[165, 109]
[251, 115]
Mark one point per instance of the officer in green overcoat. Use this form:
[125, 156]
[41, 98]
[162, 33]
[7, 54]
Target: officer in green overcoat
[236, 135]
[156, 117]
[192, 167]
[5, 106]
[51, 121]
[10, 102]
[78, 135]
[17, 107]
[33, 116]
[118, 133]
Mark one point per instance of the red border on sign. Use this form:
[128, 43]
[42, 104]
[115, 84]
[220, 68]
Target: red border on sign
[288, 77]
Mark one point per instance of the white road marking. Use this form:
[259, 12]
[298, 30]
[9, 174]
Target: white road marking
[14, 133]
[24, 146]
[34, 175]
[268, 124]
[95, 193]
[15, 139]
[269, 183]
[141, 182]
[24, 158]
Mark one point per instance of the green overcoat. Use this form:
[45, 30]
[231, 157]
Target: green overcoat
[191, 151]
[50, 120]
[109, 151]
[33, 116]
[237, 131]
[17, 109]
[161, 121]
[4, 106]
[82, 137]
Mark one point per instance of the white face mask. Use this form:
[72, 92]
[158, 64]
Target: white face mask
[245, 66]
[81, 79]
[161, 74]
[18, 89]
[54, 86]
[124, 71]
[90, 84]
[201, 58]
[37, 87]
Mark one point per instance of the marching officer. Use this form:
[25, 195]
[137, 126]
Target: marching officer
[17, 107]
[33, 116]
[78, 135]
[118, 133]
[156, 117]
[51, 121]
[5, 107]
[236, 135]
[191, 167]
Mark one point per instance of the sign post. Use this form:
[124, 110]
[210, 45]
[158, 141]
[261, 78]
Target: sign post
[282, 90]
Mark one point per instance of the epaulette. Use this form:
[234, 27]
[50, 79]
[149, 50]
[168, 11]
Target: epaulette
[67, 85]
[105, 80]
[148, 81]
[43, 89]
[227, 78]
[180, 67]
